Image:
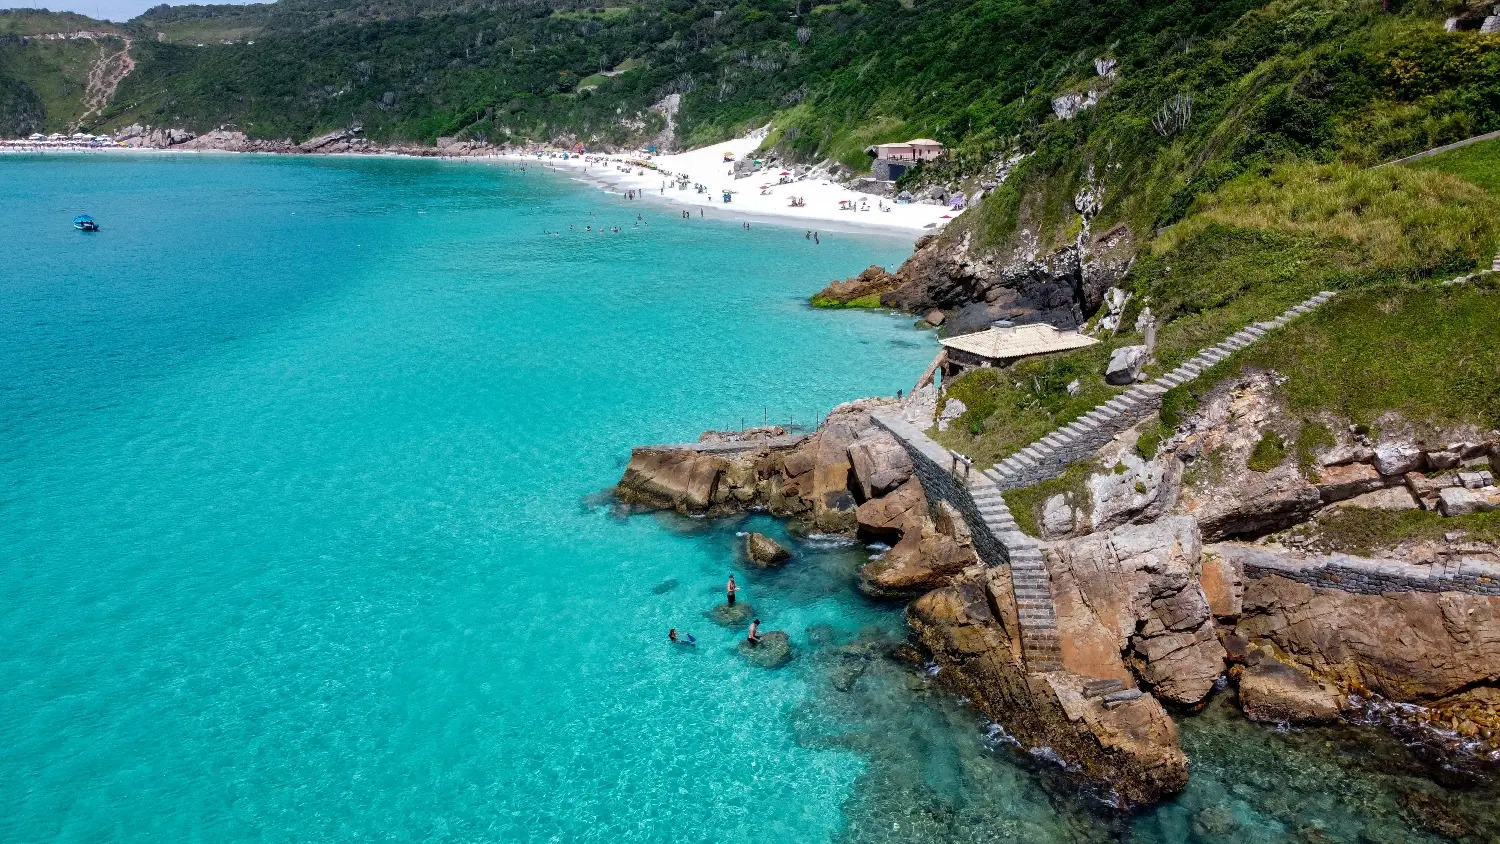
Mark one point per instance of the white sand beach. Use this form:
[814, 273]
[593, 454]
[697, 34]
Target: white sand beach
[755, 196]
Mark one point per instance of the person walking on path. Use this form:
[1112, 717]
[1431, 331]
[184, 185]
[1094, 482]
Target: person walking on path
[730, 588]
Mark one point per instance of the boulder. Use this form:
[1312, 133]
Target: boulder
[1476, 479]
[765, 552]
[670, 478]
[1461, 501]
[895, 515]
[1425, 488]
[774, 650]
[1337, 483]
[1125, 364]
[934, 317]
[1058, 518]
[880, 463]
[725, 615]
[1392, 498]
[1397, 458]
[1275, 692]
[1182, 667]
[925, 559]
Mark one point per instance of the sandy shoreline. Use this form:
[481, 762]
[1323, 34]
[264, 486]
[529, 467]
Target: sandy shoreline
[701, 166]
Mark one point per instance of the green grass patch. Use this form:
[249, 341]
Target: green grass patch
[1366, 532]
[1427, 353]
[1477, 164]
[1010, 408]
[1150, 440]
[1312, 437]
[1268, 452]
[871, 301]
[1026, 504]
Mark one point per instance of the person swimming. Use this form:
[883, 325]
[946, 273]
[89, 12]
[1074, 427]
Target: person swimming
[687, 638]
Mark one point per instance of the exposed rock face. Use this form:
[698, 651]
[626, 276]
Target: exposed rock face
[874, 281]
[764, 551]
[969, 628]
[1277, 692]
[1408, 646]
[975, 289]
[930, 553]
[1135, 591]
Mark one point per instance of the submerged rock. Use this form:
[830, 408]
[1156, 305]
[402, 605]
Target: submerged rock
[725, 615]
[765, 552]
[774, 650]
[665, 586]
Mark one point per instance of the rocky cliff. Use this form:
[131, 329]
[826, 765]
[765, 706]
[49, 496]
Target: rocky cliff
[849, 476]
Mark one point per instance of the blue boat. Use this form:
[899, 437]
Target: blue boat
[85, 223]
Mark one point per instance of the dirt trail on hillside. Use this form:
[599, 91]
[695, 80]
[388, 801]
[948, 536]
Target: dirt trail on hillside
[104, 78]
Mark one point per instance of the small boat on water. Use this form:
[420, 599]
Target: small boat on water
[85, 223]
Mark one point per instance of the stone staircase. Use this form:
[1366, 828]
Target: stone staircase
[1030, 580]
[1495, 264]
[1051, 455]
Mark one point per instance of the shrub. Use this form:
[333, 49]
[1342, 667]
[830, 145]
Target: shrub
[1268, 453]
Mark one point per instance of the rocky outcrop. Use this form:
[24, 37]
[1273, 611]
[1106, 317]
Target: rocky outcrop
[677, 479]
[874, 281]
[1131, 599]
[849, 475]
[1280, 692]
[930, 553]
[1128, 742]
[773, 651]
[764, 552]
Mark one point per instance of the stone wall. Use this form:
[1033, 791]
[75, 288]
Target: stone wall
[1362, 575]
[935, 469]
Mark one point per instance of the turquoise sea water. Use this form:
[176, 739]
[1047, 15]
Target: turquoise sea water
[301, 536]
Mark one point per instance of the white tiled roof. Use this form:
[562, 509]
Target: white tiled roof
[1018, 341]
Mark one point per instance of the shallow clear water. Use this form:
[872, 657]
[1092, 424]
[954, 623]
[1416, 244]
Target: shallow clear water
[300, 533]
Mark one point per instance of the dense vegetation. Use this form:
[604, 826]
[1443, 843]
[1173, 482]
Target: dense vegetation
[1398, 341]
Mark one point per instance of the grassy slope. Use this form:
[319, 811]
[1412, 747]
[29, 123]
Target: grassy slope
[54, 73]
[41, 21]
[1477, 163]
[1250, 250]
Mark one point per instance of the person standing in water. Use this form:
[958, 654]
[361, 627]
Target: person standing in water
[730, 588]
